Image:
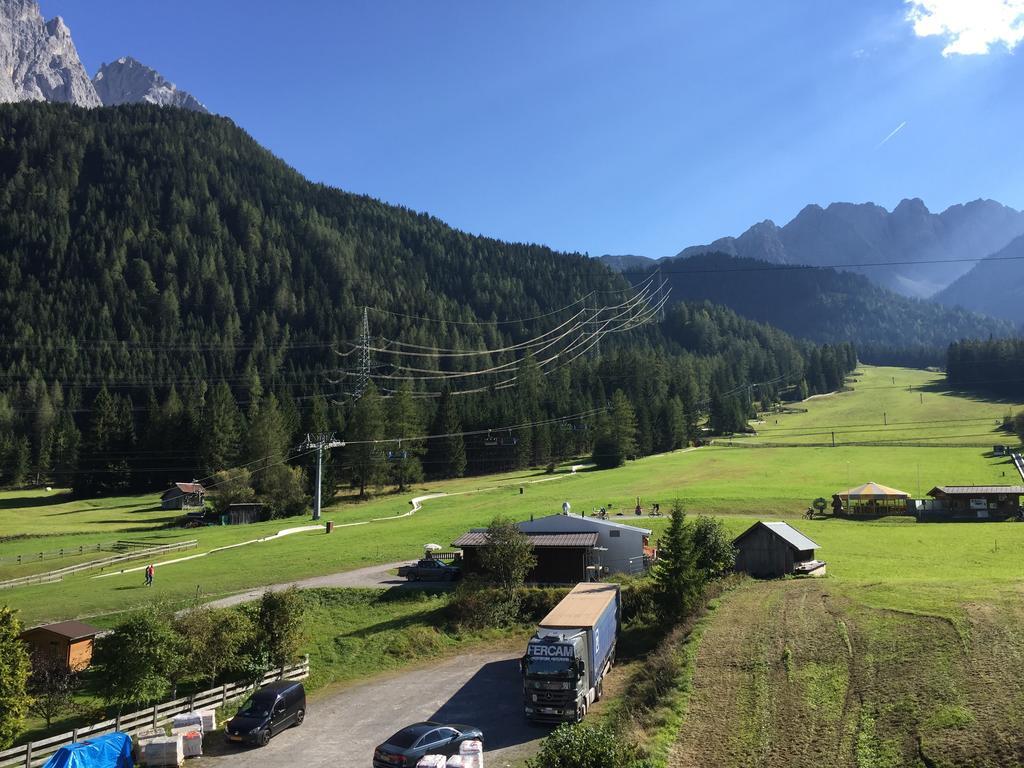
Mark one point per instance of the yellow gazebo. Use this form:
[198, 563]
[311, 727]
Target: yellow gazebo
[871, 499]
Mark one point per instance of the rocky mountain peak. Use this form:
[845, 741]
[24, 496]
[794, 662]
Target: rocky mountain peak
[38, 60]
[129, 81]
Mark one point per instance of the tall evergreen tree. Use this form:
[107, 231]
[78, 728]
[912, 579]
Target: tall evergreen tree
[405, 421]
[222, 430]
[363, 455]
[446, 456]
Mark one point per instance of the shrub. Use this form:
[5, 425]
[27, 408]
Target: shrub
[586, 746]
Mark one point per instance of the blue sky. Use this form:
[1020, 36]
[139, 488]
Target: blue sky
[605, 127]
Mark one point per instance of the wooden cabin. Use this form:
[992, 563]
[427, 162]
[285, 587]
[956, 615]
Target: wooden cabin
[770, 550]
[70, 641]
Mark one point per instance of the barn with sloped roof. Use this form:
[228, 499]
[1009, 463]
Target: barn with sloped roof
[770, 550]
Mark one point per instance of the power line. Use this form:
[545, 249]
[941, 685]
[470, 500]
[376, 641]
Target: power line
[794, 267]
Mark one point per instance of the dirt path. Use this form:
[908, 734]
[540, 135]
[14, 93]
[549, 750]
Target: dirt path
[481, 689]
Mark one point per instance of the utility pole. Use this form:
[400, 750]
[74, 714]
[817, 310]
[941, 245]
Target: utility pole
[318, 443]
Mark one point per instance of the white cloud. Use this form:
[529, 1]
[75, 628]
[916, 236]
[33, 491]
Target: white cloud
[972, 27]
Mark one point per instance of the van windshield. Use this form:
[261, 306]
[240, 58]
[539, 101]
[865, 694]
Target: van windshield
[256, 706]
[536, 665]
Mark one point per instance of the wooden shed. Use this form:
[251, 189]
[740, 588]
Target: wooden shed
[183, 496]
[71, 641]
[562, 558]
[770, 550]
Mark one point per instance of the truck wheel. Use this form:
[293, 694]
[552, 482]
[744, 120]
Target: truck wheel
[599, 690]
[581, 712]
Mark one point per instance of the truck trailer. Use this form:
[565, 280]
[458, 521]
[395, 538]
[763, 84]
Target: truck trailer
[570, 653]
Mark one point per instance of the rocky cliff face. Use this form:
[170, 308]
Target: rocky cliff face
[128, 81]
[38, 59]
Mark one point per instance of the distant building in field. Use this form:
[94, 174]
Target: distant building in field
[183, 496]
[250, 512]
[770, 550]
[972, 502]
[70, 641]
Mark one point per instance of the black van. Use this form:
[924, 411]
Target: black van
[267, 712]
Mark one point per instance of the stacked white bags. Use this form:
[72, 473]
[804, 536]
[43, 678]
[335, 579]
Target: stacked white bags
[160, 751]
[471, 754]
[432, 761]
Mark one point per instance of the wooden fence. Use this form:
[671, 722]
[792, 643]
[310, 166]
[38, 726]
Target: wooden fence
[60, 573]
[38, 752]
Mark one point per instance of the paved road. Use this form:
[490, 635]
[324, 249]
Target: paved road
[482, 689]
[375, 576]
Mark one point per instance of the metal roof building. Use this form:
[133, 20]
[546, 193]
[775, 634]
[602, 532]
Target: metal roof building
[768, 550]
[562, 558]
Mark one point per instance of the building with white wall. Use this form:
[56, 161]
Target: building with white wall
[620, 548]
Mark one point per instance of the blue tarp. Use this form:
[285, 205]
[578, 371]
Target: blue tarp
[114, 750]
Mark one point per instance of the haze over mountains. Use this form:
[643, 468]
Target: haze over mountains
[866, 234]
[994, 286]
[39, 62]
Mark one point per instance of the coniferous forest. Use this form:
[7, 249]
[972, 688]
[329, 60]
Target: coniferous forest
[176, 303]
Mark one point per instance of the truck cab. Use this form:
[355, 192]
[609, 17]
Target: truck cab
[555, 678]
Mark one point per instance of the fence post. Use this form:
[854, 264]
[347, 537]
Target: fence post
[192, 703]
[28, 755]
[74, 735]
[224, 695]
[117, 722]
[154, 716]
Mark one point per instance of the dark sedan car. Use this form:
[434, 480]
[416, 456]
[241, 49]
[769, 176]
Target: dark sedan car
[405, 748]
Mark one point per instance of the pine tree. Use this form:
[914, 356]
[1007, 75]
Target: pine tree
[446, 456]
[222, 431]
[679, 582]
[623, 424]
[364, 457]
[405, 421]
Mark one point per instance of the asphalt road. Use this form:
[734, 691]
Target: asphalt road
[481, 689]
[375, 576]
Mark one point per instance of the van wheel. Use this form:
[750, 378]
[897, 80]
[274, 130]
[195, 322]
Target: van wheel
[300, 716]
[264, 738]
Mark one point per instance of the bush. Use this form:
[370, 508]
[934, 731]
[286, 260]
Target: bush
[639, 600]
[586, 746]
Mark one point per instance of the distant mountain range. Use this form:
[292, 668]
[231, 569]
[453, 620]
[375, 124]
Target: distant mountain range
[888, 247]
[994, 286]
[39, 62]
[823, 305]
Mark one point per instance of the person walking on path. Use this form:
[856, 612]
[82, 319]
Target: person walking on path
[149, 575]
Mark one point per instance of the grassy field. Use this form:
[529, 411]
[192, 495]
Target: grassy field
[890, 405]
[740, 483]
[802, 672]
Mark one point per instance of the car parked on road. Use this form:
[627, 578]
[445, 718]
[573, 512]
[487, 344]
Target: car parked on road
[405, 748]
[267, 712]
[429, 569]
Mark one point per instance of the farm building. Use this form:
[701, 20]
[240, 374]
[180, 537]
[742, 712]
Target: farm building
[71, 641]
[183, 496]
[562, 558]
[769, 550]
[620, 548]
[871, 499]
[241, 514]
[972, 502]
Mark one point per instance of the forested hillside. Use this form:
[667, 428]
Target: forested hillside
[827, 306]
[176, 301]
